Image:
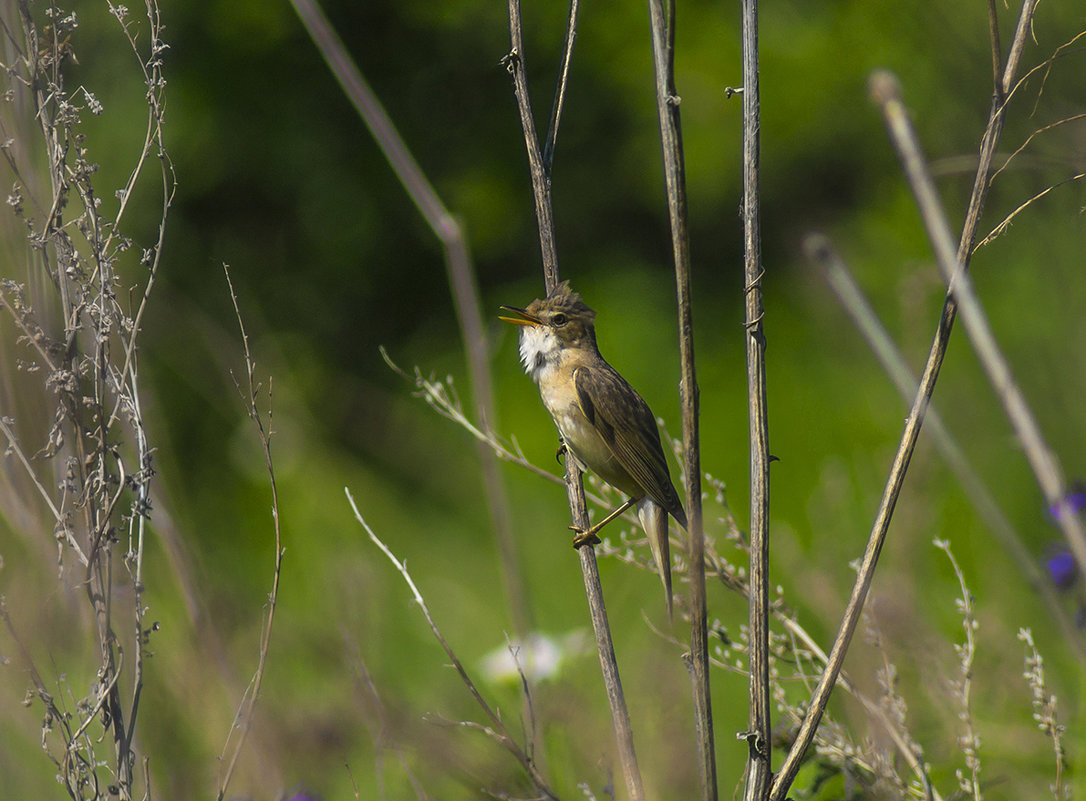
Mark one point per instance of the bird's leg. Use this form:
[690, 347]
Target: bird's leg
[588, 537]
[558, 454]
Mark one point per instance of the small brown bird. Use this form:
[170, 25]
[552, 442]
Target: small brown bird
[603, 422]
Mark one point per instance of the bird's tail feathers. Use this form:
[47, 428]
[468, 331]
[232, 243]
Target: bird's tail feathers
[653, 519]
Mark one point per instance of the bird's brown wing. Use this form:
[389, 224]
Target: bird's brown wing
[627, 425]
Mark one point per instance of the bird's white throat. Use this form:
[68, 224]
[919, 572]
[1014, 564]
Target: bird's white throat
[539, 351]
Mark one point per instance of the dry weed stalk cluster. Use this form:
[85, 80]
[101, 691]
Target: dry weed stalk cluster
[82, 445]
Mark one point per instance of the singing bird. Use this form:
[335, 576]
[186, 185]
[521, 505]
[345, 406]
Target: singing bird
[606, 426]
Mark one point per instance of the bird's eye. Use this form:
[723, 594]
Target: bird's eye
[559, 319]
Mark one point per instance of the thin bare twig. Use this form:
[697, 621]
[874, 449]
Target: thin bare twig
[1044, 129]
[697, 662]
[244, 718]
[437, 397]
[465, 291]
[560, 89]
[498, 730]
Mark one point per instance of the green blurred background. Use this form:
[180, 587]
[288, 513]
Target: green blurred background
[279, 179]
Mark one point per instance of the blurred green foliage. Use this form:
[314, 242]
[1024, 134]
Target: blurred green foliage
[279, 179]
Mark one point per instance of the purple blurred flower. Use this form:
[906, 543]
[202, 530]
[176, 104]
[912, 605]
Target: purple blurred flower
[1076, 501]
[1062, 569]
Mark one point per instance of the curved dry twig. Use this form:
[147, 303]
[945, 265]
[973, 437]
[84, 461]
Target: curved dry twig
[497, 730]
[244, 718]
[1005, 223]
[1030, 138]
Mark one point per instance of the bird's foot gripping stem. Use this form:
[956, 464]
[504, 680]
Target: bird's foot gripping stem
[582, 537]
[588, 536]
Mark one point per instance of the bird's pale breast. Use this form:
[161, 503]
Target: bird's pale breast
[585, 442]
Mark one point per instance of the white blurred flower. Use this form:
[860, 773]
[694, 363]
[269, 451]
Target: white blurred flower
[539, 656]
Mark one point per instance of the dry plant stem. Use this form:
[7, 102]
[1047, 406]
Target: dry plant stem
[462, 282]
[993, 41]
[759, 772]
[820, 250]
[697, 662]
[1041, 459]
[244, 718]
[498, 730]
[605, 647]
[541, 193]
[154, 143]
[787, 774]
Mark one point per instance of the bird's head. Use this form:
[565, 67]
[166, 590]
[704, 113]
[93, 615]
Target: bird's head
[562, 312]
[551, 324]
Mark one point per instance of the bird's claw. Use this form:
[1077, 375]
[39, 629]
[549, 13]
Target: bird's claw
[584, 537]
[558, 454]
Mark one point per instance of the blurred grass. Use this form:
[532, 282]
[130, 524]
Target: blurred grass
[278, 179]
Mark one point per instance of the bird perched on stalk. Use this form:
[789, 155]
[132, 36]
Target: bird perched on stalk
[606, 426]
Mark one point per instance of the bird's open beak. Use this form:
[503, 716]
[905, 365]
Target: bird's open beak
[523, 316]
